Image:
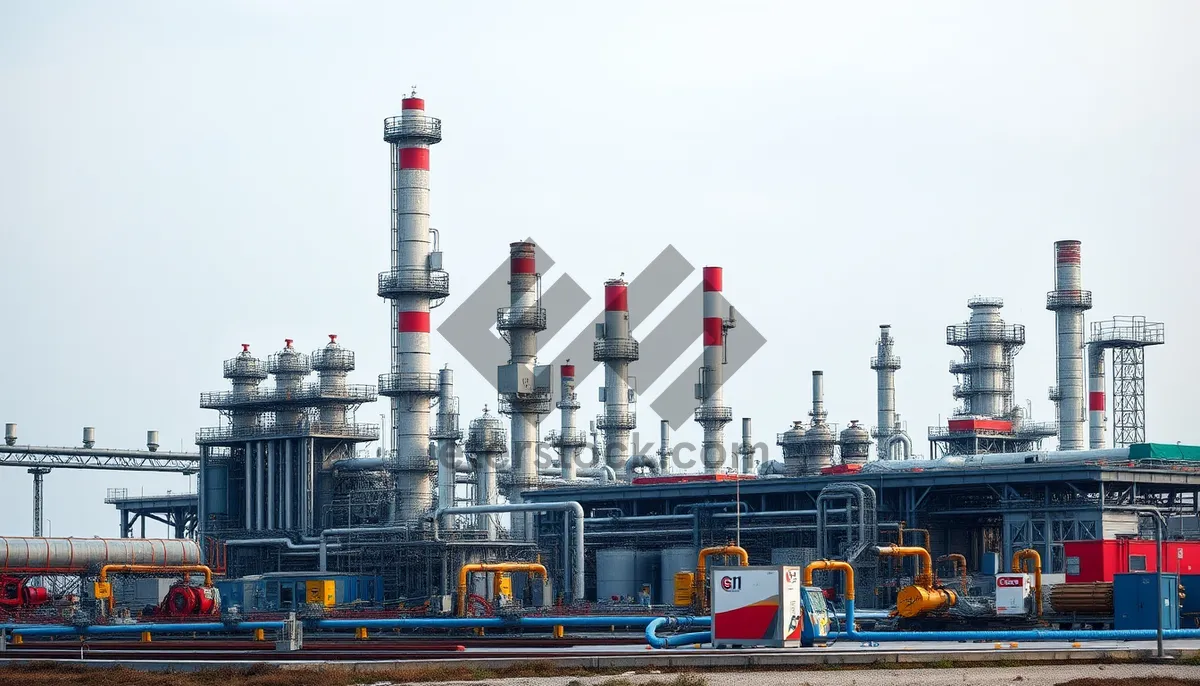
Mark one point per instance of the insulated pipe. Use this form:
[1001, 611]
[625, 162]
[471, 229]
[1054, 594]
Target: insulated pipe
[818, 397]
[288, 484]
[835, 565]
[466, 570]
[616, 349]
[656, 641]
[445, 433]
[712, 414]
[1097, 420]
[569, 506]
[1068, 302]
[702, 562]
[1031, 554]
[271, 503]
[249, 487]
[924, 577]
[664, 446]
[260, 502]
[960, 567]
[902, 439]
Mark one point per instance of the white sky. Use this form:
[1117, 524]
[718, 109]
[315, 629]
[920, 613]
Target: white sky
[178, 178]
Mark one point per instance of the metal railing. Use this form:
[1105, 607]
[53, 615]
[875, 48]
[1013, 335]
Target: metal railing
[968, 334]
[399, 383]
[714, 414]
[1129, 331]
[308, 394]
[244, 368]
[270, 429]
[535, 403]
[521, 318]
[491, 440]
[616, 421]
[434, 283]
[571, 438]
[416, 129]
[333, 360]
[1056, 300]
[289, 363]
[885, 362]
[615, 349]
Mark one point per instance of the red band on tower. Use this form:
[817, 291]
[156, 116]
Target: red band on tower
[414, 158]
[712, 331]
[412, 322]
[523, 265]
[713, 278]
[616, 298]
[1096, 401]
[1068, 252]
[412, 104]
[568, 371]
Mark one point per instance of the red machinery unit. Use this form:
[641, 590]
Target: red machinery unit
[687, 479]
[15, 593]
[1089, 561]
[184, 600]
[986, 425]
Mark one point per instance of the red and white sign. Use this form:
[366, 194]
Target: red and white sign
[1010, 581]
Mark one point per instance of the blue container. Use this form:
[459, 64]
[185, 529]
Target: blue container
[1189, 608]
[1136, 598]
[989, 564]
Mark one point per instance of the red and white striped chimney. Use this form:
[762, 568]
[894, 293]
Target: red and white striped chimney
[1069, 301]
[712, 414]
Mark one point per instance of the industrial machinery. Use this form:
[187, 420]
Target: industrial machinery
[16, 593]
[766, 607]
[186, 600]
[923, 596]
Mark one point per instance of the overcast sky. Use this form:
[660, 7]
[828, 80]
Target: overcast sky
[179, 178]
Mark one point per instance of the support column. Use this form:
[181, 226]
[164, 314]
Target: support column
[288, 484]
[260, 503]
[271, 475]
[249, 489]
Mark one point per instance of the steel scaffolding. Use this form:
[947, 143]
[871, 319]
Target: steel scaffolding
[1128, 337]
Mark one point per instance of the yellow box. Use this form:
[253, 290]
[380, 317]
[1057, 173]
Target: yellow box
[102, 590]
[684, 582]
[323, 593]
[504, 585]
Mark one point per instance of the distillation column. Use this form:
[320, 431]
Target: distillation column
[245, 372]
[414, 285]
[486, 441]
[988, 345]
[569, 441]
[616, 349]
[290, 366]
[1068, 303]
[1097, 418]
[712, 414]
[446, 434]
[885, 363]
[524, 386]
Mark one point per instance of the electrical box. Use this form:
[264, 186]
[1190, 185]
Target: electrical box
[435, 260]
[504, 586]
[989, 564]
[321, 592]
[515, 378]
[101, 590]
[684, 582]
[758, 606]
[1012, 594]
[1136, 598]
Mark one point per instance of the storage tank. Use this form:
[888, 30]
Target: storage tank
[792, 442]
[675, 559]
[856, 444]
[647, 562]
[83, 554]
[616, 574]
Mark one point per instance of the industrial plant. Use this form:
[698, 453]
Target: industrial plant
[457, 526]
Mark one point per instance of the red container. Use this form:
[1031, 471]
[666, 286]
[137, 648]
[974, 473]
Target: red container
[1089, 561]
[996, 425]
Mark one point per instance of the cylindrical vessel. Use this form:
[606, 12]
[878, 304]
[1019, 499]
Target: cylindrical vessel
[1068, 302]
[988, 380]
[673, 560]
[447, 434]
[333, 363]
[1097, 417]
[89, 437]
[856, 444]
[89, 554]
[616, 574]
[712, 414]
[152, 441]
[616, 349]
[747, 466]
[664, 446]
[1095, 599]
[885, 364]
[792, 444]
[10, 434]
[412, 286]
[485, 443]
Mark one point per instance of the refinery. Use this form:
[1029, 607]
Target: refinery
[537, 516]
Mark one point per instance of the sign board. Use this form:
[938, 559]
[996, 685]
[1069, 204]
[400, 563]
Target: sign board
[756, 606]
[1012, 590]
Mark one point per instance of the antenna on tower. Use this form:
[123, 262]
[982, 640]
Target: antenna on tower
[414, 91]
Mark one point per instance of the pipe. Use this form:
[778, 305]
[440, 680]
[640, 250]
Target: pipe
[249, 487]
[260, 502]
[835, 565]
[466, 570]
[702, 560]
[747, 448]
[656, 641]
[570, 506]
[664, 447]
[1097, 420]
[322, 544]
[571, 440]
[1031, 554]
[288, 485]
[163, 628]
[271, 502]
[924, 577]
[960, 567]
[150, 569]
[901, 438]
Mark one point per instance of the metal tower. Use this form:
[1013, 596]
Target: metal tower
[569, 441]
[486, 439]
[524, 385]
[713, 414]
[415, 284]
[885, 363]
[1068, 302]
[616, 349]
[1128, 337]
[446, 434]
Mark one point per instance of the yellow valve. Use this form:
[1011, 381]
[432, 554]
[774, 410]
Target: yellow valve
[146, 637]
[361, 633]
[259, 635]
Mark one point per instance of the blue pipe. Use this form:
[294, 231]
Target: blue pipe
[656, 641]
[491, 622]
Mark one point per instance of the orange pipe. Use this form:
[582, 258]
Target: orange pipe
[924, 562]
[154, 569]
[702, 561]
[1031, 554]
[465, 572]
[960, 566]
[834, 565]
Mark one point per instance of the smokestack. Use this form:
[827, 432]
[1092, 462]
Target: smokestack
[664, 447]
[524, 386]
[570, 440]
[414, 285]
[616, 349]
[818, 397]
[446, 434]
[1097, 419]
[1068, 302]
[712, 414]
[747, 448]
[885, 364]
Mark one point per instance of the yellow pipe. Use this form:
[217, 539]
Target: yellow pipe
[1031, 554]
[154, 569]
[834, 565]
[702, 561]
[960, 566]
[466, 570]
[924, 577]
